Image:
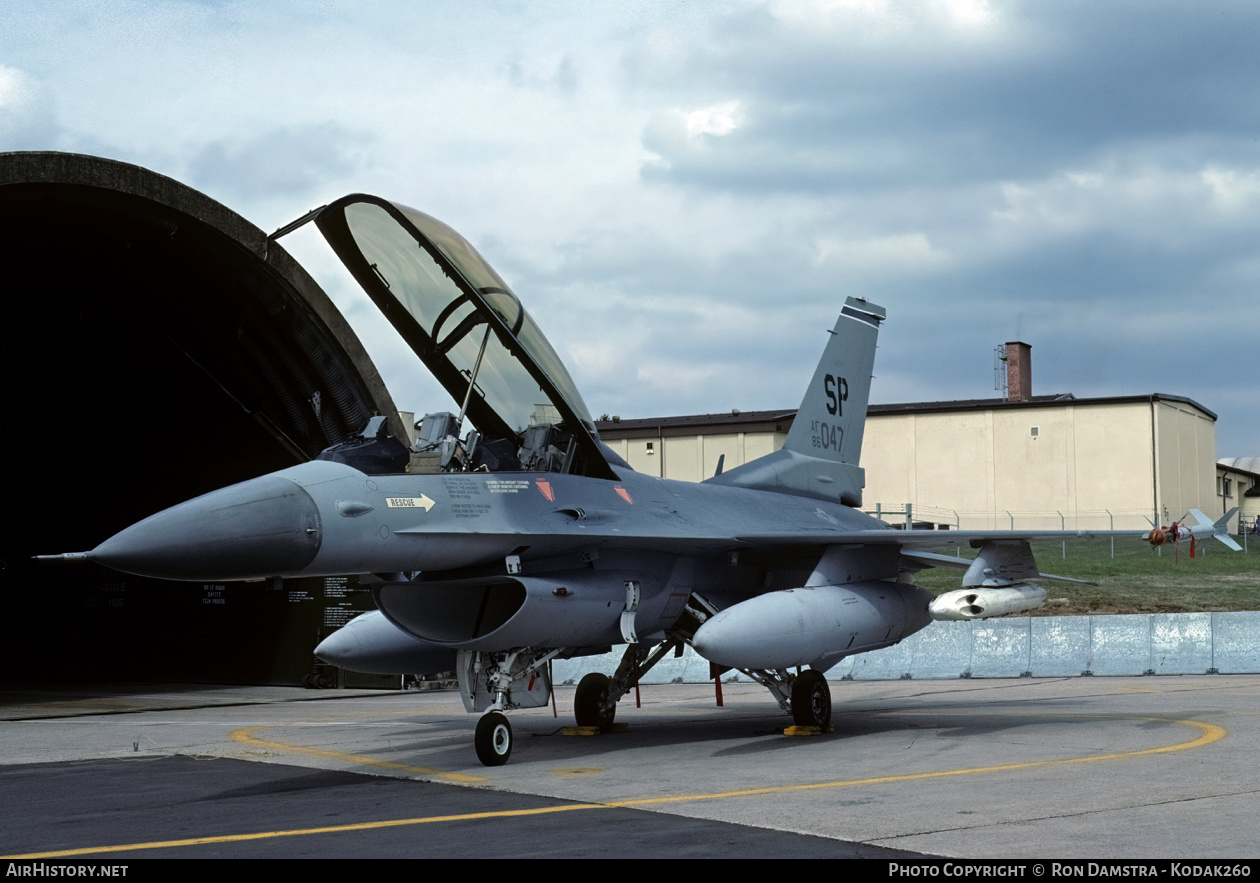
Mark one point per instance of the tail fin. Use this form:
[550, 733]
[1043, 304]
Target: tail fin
[1219, 528]
[821, 453]
[1222, 524]
[832, 415]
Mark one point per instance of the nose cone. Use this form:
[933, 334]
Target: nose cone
[260, 528]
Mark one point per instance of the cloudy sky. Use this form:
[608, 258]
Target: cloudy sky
[683, 193]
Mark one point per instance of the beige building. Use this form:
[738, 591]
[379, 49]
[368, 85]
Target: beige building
[1023, 461]
[1238, 484]
[1049, 462]
[689, 448]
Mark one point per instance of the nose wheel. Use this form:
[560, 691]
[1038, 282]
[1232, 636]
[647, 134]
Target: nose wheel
[493, 739]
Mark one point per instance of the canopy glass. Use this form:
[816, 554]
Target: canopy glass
[462, 320]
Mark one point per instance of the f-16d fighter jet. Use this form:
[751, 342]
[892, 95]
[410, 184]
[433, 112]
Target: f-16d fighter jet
[508, 535]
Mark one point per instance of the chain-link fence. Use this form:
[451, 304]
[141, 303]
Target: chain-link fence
[905, 515]
[933, 517]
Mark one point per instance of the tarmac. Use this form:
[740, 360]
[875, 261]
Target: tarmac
[1156, 767]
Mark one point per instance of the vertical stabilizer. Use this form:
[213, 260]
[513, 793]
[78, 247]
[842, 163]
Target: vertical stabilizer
[820, 457]
[832, 415]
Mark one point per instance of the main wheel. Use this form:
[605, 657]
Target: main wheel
[811, 700]
[493, 740]
[591, 704]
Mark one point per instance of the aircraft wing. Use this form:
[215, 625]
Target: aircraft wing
[932, 559]
[1004, 558]
[918, 539]
[926, 539]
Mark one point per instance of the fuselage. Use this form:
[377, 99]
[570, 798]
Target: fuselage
[491, 560]
[323, 519]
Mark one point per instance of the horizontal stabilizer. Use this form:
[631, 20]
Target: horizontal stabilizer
[1229, 541]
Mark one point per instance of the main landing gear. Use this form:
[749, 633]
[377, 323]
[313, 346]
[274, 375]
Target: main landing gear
[496, 681]
[595, 702]
[806, 695]
[811, 700]
[593, 705]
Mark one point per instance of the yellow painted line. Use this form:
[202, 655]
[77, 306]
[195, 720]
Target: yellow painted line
[332, 829]
[246, 736]
[1209, 733]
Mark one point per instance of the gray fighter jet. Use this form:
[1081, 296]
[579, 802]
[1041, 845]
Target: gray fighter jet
[508, 535]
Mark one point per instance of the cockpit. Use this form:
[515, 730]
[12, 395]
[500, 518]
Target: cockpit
[476, 338]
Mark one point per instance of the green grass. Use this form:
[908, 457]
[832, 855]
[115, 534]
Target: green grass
[1137, 580]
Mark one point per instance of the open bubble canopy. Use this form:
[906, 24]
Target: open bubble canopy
[463, 321]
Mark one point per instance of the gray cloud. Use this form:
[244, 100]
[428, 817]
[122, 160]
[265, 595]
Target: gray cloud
[683, 195]
[1083, 176]
[27, 117]
[294, 160]
[1046, 86]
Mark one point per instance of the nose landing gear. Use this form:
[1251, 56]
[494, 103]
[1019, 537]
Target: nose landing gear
[493, 739]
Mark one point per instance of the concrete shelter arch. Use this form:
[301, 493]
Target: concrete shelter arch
[156, 345]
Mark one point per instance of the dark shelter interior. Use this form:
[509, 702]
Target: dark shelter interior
[156, 346]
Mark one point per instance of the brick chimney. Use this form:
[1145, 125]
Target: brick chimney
[1018, 371]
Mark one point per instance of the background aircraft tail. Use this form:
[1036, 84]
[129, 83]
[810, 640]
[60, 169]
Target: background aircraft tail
[821, 454]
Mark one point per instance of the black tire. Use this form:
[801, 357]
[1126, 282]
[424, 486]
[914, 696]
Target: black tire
[493, 740]
[591, 704]
[811, 700]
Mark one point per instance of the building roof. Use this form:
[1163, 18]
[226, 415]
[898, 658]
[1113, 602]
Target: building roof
[1249, 466]
[730, 421]
[1241, 464]
[781, 421]
[971, 404]
[1048, 401]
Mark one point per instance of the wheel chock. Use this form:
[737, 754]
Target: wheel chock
[595, 731]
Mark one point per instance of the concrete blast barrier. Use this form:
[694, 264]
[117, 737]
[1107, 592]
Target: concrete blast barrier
[1010, 647]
